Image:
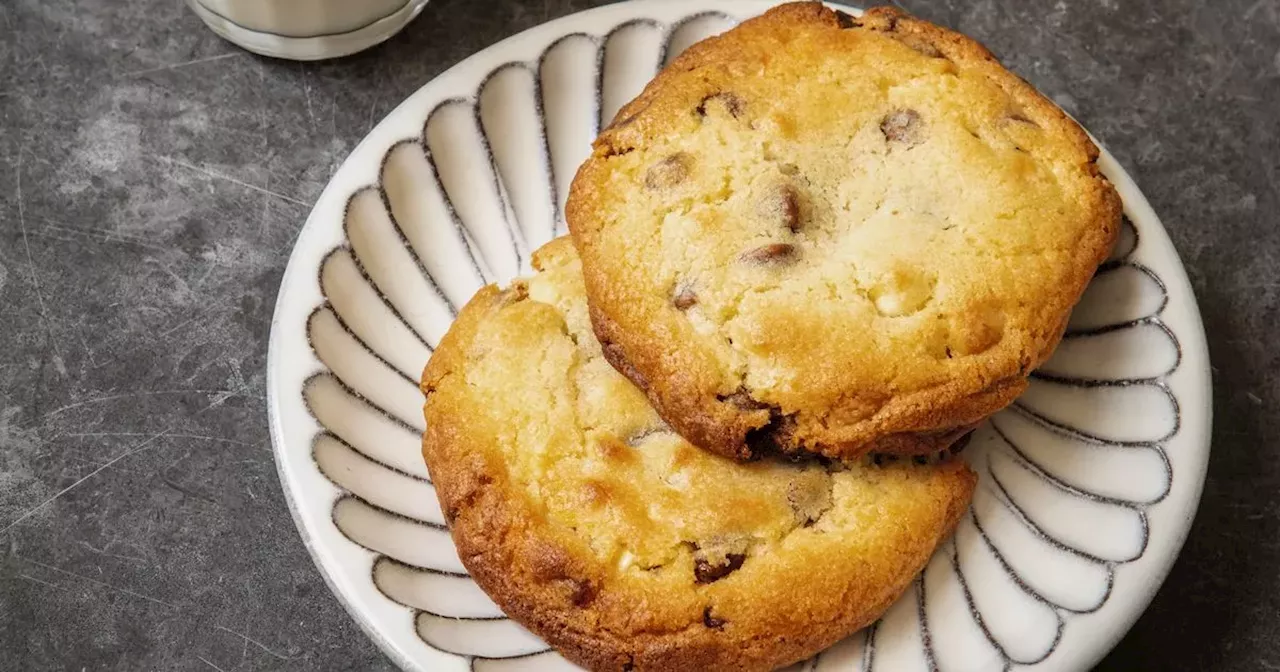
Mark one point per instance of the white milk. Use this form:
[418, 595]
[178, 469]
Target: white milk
[306, 30]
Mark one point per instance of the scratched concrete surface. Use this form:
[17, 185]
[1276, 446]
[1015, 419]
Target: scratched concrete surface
[152, 181]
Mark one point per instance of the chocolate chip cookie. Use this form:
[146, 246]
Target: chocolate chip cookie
[598, 528]
[839, 235]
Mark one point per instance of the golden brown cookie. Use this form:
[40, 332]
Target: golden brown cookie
[597, 528]
[837, 235]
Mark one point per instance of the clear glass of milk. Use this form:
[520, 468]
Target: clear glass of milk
[306, 30]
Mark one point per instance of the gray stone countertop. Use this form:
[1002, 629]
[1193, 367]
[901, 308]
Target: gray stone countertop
[153, 179]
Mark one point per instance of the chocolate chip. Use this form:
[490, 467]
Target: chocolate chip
[744, 401]
[711, 621]
[685, 298]
[773, 253]
[845, 21]
[762, 441]
[730, 101]
[583, 592]
[903, 126]
[920, 459]
[705, 572]
[668, 172]
[776, 438]
[781, 204]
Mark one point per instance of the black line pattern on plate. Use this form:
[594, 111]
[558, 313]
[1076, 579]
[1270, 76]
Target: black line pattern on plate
[552, 174]
[437, 572]
[926, 641]
[328, 434]
[1022, 585]
[869, 649]
[421, 616]
[525, 656]
[974, 612]
[1054, 541]
[1126, 240]
[368, 281]
[484, 270]
[535, 74]
[1152, 321]
[521, 245]
[601, 61]
[1043, 473]
[1019, 580]
[463, 235]
[465, 225]
[361, 398]
[1112, 267]
[1119, 326]
[347, 219]
[327, 307]
[1019, 455]
[1077, 433]
[1095, 382]
[331, 258]
[665, 55]
[399, 230]
[383, 560]
[350, 496]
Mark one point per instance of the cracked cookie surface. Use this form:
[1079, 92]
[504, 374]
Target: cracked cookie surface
[820, 233]
[591, 523]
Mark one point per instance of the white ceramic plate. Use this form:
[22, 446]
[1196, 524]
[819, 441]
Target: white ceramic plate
[1088, 483]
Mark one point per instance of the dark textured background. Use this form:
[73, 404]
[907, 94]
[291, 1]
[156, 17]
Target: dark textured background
[153, 178]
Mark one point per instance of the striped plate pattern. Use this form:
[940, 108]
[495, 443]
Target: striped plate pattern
[456, 188]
